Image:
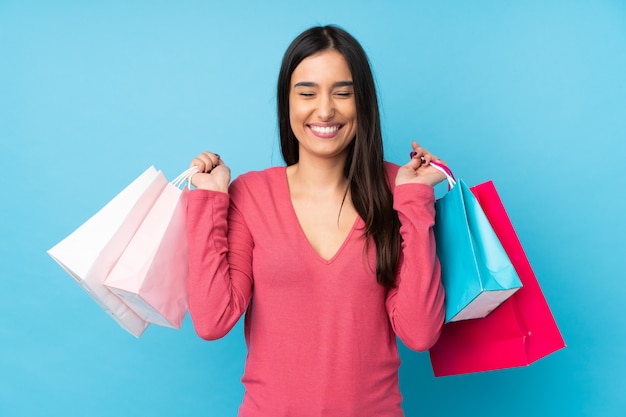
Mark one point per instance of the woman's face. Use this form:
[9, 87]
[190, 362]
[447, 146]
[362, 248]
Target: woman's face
[322, 110]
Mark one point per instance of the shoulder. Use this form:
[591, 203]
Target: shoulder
[259, 178]
[391, 170]
[257, 184]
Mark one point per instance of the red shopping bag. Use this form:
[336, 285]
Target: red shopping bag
[519, 332]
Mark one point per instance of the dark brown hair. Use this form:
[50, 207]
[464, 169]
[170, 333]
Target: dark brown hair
[364, 168]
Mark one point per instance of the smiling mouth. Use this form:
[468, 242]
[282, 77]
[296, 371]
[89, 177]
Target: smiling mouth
[325, 130]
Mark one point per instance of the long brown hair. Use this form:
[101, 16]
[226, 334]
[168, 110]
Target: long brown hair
[364, 169]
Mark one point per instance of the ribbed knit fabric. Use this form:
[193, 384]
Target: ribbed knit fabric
[321, 334]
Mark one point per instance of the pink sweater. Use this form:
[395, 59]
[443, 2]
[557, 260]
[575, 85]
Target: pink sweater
[321, 335]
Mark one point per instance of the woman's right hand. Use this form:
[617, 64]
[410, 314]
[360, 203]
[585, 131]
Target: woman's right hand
[213, 174]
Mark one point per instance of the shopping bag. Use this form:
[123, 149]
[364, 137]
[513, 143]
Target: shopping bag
[476, 272]
[519, 332]
[150, 276]
[90, 252]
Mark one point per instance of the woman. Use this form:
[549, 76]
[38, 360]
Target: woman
[330, 257]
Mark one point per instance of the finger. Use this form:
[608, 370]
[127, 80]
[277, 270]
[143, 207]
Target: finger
[414, 163]
[414, 147]
[425, 156]
[430, 158]
[206, 161]
[214, 160]
[209, 161]
[419, 155]
[198, 162]
[438, 172]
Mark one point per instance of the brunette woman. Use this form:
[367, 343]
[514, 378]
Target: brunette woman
[330, 257]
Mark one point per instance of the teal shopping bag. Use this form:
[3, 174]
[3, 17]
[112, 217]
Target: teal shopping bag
[476, 272]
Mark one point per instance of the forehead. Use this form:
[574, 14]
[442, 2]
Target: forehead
[326, 66]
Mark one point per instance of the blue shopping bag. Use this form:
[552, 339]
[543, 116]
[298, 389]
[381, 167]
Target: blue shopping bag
[476, 272]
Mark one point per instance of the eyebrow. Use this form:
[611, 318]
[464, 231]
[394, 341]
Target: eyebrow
[312, 84]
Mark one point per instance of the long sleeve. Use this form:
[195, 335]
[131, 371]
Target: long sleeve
[317, 330]
[220, 263]
[416, 305]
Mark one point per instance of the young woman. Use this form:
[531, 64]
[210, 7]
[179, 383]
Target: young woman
[330, 257]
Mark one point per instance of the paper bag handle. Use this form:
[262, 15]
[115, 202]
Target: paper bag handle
[185, 176]
[449, 176]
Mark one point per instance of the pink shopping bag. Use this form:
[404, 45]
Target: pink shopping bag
[90, 252]
[151, 274]
[520, 331]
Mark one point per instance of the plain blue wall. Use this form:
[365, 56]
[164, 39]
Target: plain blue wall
[531, 94]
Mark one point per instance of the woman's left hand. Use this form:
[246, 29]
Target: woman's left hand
[419, 170]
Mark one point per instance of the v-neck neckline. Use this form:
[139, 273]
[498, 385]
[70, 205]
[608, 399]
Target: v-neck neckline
[302, 234]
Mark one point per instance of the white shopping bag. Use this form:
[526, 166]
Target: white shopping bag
[89, 254]
[151, 274]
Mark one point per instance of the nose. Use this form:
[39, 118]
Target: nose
[326, 107]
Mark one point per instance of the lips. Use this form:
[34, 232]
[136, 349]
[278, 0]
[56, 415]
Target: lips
[325, 131]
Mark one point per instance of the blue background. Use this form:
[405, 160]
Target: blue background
[531, 94]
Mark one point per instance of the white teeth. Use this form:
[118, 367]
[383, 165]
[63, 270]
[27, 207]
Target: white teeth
[325, 129]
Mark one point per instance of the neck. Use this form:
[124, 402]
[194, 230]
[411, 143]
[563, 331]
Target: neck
[318, 175]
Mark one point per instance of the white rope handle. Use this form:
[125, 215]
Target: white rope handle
[446, 171]
[185, 176]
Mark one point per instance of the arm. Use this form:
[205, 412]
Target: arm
[416, 305]
[219, 283]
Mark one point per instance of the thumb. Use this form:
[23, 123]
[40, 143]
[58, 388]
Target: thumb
[415, 162]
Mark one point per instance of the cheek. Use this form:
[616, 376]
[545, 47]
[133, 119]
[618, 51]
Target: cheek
[293, 120]
[297, 117]
[350, 113]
